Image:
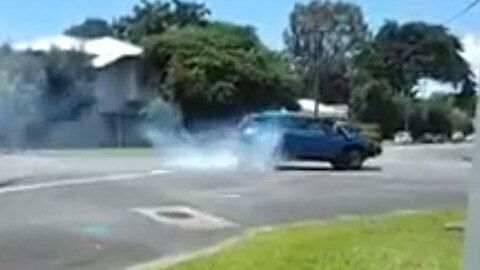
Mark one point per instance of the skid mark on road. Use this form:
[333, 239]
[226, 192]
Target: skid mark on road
[80, 181]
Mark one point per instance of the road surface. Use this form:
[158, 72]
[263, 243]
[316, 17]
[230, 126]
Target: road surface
[91, 211]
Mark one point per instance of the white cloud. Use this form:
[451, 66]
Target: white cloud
[471, 45]
[427, 87]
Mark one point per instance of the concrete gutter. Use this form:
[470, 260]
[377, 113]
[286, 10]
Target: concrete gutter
[173, 260]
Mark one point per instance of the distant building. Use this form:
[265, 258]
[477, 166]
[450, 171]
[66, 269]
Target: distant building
[120, 87]
[335, 111]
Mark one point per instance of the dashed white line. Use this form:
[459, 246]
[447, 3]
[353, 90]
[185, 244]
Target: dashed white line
[80, 181]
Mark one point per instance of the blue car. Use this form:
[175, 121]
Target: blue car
[294, 136]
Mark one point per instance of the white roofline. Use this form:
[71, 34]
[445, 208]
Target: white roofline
[106, 50]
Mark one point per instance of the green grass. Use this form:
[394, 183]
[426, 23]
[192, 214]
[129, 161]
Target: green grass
[403, 242]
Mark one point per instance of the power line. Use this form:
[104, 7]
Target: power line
[462, 12]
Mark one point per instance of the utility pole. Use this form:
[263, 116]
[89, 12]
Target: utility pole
[316, 91]
[119, 126]
[472, 235]
[318, 71]
[406, 115]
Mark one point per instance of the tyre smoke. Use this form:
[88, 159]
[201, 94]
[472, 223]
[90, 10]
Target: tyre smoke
[219, 147]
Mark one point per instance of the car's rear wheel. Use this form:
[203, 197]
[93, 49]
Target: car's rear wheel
[279, 156]
[350, 159]
[262, 160]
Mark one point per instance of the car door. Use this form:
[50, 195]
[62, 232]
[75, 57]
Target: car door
[313, 139]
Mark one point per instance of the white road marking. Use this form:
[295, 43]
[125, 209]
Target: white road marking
[231, 196]
[80, 181]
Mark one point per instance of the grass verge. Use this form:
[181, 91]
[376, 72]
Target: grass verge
[415, 241]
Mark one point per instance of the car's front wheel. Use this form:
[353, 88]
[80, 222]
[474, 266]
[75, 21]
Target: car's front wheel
[350, 159]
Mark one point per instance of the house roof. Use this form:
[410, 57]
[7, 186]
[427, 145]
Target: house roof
[109, 50]
[60, 42]
[106, 50]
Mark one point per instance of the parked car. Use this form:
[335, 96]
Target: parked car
[429, 138]
[458, 137]
[470, 138]
[403, 137]
[301, 137]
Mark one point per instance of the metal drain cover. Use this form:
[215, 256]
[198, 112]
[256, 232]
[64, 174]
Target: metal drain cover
[185, 217]
[175, 214]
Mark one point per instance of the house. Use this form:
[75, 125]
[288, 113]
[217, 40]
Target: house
[119, 86]
[334, 111]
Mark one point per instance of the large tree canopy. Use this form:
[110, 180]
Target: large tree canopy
[220, 69]
[399, 56]
[155, 17]
[404, 53]
[322, 38]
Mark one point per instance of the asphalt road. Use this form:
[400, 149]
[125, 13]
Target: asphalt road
[79, 210]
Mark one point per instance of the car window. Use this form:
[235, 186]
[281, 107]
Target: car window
[258, 121]
[320, 127]
[294, 123]
[314, 126]
[269, 122]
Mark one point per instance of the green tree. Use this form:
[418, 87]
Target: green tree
[404, 53]
[219, 70]
[90, 28]
[375, 102]
[189, 13]
[322, 38]
[466, 99]
[438, 117]
[156, 17]
[460, 121]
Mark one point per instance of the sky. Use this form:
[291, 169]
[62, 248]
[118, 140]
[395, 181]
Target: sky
[22, 20]
[26, 19]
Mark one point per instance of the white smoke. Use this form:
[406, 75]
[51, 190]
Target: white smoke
[215, 148]
[180, 151]
[32, 117]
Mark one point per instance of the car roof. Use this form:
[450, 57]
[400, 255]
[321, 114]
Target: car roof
[280, 114]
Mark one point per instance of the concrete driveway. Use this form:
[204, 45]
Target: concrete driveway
[91, 211]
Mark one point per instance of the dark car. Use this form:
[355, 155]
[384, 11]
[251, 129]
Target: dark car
[294, 136]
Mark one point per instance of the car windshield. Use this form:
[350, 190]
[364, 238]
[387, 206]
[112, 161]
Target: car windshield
[278, 121]
[169, 134]
[344, 130]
